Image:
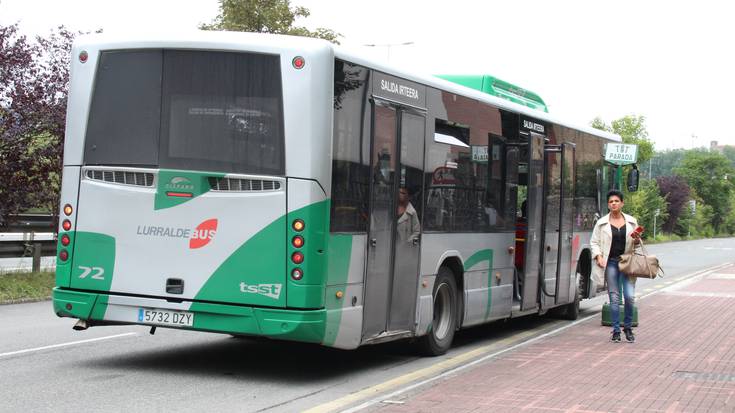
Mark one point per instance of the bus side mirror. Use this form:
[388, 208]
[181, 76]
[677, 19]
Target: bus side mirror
[633, 179]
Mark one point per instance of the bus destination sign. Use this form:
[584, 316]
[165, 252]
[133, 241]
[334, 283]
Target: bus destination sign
[399, 90]
[621, 154]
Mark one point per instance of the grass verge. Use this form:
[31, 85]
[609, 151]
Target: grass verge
[25, 286]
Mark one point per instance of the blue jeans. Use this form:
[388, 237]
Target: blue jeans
[614, 276]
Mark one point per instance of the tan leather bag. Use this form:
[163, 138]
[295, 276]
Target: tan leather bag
[640, 264]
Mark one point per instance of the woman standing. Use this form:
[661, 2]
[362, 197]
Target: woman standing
[609, 242]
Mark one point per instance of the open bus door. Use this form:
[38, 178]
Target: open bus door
[534, 209]
[558, 223]
[392, 258]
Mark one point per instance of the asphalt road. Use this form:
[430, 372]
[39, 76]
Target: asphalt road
[46, 366]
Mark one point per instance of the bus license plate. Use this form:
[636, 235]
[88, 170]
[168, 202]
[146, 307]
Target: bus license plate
[165, 317]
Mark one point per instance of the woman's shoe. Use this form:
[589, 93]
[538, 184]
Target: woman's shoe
[629, 336]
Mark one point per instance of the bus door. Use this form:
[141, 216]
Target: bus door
[534, 212]
[393, 241]
[558, 224]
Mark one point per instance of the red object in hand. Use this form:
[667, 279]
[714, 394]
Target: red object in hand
[637, 231]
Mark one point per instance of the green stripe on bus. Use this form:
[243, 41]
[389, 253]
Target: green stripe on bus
[476, 258]
[340, 251]
[257, 264]
[93, 263]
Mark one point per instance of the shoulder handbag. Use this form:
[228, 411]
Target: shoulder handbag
[640, 264]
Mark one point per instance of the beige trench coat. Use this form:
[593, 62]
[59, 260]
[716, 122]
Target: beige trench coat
[408, 226]
[602, 240]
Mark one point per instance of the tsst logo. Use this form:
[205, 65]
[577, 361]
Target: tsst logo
[268, 290]
[203, 233]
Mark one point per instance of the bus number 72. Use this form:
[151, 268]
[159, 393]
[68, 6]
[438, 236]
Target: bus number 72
[98, 272]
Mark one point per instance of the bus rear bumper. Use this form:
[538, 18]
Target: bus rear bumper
[298, 325]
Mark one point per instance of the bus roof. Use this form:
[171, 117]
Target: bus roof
[262, 42]
[433, 81]
[500, 88]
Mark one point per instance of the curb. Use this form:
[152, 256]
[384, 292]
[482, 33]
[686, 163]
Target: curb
[25, 300]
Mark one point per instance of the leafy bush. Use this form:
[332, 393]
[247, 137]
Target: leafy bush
[643, 204]
[676, 192]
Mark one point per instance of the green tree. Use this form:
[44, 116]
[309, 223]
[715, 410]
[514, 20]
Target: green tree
[728, 224]
[663, 163]
[643, 205]
[701, 225]
[711, 175]
[729, 153]
[632, 128]
[34, 78]
[265, 16]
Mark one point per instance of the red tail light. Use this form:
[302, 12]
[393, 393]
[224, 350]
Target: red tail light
[66, 225]
[298, 241]
[180, 194]
[297, 257]
[63, 255]
[65, 240]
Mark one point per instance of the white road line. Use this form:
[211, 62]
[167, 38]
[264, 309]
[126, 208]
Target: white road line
[72, 343]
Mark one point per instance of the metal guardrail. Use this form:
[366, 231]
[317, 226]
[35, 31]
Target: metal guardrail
[27, 223]
[27, 244]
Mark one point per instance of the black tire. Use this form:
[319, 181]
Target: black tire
[441, 332]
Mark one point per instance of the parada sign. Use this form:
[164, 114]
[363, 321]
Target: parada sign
[621, 153]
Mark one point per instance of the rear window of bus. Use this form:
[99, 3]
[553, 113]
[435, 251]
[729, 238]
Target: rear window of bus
[193, 110]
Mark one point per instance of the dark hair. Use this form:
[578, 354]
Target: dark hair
[615, 192]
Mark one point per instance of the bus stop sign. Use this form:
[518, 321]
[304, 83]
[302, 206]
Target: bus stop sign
[621, 154]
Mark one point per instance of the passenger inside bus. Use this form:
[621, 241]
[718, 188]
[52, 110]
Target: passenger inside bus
[521, 230]
[408, 225]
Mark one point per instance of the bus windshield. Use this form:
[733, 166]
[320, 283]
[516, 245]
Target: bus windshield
[194, 110]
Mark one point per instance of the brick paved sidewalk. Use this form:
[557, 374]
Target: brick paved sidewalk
[683, 361]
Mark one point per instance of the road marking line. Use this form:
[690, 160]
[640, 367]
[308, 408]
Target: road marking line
[29, 350]
[452, 363]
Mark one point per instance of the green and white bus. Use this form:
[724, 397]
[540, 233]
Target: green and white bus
[281, 187]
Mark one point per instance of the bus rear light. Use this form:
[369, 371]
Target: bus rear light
[298, 241]
[298, 62]
[68, 209]
[65, 240]
[298, 225]
[297, 257]
[83, 56]
[297, 274]
[63, 255]
[66, 225]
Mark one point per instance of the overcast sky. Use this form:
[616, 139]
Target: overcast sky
[673, 61]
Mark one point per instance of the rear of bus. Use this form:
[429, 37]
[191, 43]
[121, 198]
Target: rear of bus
[194, 184]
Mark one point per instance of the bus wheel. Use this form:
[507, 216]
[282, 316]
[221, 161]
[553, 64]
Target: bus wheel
[441, 332]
